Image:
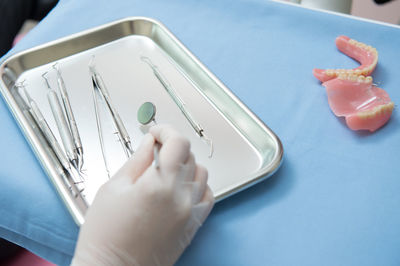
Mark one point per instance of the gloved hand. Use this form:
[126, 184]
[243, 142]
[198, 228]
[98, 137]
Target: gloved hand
[143, 215]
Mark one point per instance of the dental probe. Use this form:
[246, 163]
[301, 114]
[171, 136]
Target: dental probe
[70, 117]
[179, 102]
[121, 130]
[50, 138]
[62, 125]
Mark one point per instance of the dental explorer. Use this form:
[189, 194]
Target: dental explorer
[180, 103]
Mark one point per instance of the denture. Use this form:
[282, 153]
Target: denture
[365, 54]
[363, 105]
[351, 93]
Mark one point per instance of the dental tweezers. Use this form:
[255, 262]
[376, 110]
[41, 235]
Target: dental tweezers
[100, 129]
[122, 133]
[180, 103]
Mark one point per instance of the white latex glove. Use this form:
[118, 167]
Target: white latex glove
[143, 215]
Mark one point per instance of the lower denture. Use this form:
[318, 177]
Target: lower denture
[364, 106]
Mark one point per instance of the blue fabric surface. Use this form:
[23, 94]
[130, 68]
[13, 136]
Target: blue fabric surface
[334, 201]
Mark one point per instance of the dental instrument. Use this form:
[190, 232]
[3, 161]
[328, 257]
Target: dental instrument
[145, 115]
[62, 124]
[78, 149]
[99, 128]
[54, 145]
[120, 127]
[180, 103]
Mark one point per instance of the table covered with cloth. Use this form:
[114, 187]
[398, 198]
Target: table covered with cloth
[336, 198]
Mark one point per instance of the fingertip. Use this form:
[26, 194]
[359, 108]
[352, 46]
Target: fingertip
[200, 180]
[209, 197]
[203, 172]
[147, 141]
[155, 130]
[163, 132]
[140, 160]
[206, 205]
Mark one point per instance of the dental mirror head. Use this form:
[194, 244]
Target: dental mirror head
[146, 113]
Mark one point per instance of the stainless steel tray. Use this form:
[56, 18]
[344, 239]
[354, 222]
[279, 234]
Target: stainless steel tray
[245, 149]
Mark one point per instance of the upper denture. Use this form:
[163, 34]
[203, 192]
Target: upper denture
[365, 54]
